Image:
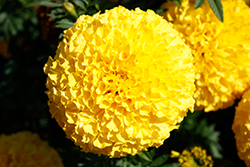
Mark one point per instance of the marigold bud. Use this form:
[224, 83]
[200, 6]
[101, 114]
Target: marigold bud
[69, 7]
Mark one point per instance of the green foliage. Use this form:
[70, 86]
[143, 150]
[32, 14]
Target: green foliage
[143, 159]
[13, 22]
[199, 3]
[159, 161]
[177, 2]
[64, 24]
[44, 3]
[215, 5]
[175, 164]
[63, 17]
[217, 8]
[198, 129]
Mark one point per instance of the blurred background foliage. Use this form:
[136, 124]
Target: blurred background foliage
[29, 33]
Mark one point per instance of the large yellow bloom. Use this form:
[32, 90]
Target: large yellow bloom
[120, 81]
[197, 157]
[241, 128]
[27, 149]
[221, 50]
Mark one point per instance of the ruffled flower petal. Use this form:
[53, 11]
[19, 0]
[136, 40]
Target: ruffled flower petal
[241, 128]
[221, 50]
[120, 81]
[197, 157]
[27, 149]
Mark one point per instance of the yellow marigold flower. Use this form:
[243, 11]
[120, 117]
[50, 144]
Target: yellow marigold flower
[27, 149]
[241, 127]
[120, 81]
[221, 50]
[197, 157]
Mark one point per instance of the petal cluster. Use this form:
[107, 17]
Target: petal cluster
[120, 81]
[27, 149]
[221, 50]
[197, 157]
[241, 127]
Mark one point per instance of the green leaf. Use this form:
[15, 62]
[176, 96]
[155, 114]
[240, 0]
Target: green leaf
[44, 3]
[217, 8]
[149, 155]
[159, 161]
[198, 3]
[144, 156]
[86, 1]
[160, 11]
[177, 2]
[215, 150]
[18, 22]
[9, 68]
[93, 3]
[200, 128]
[97, 6]
[175, 164]
[80, 4]
[119, 162]
[214, 137]
[152, 152]
[92, 11]
[23, 2]
[12, 26]
[57, 13]
[64, 24]
[3, 16]
[60, 37]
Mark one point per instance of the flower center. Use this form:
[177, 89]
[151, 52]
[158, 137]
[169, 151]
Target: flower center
[117, 82]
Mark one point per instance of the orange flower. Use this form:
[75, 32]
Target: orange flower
[27, 149]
